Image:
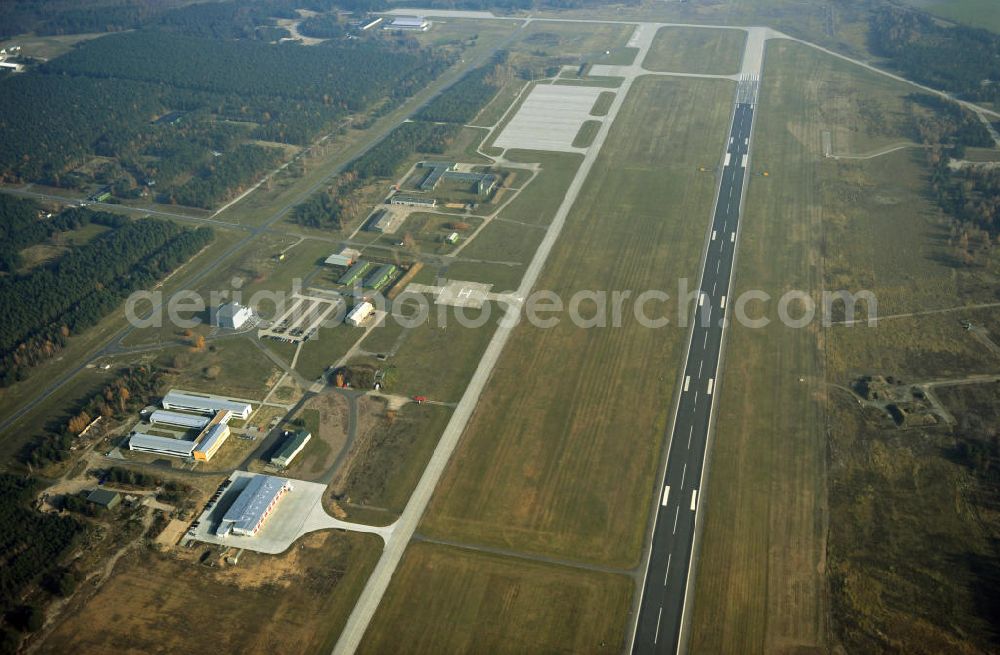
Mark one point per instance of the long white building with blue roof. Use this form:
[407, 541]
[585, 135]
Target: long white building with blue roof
[252, 507]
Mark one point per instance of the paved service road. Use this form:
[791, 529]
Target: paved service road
[661, 609]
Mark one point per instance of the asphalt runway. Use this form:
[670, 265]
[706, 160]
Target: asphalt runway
[661, 609]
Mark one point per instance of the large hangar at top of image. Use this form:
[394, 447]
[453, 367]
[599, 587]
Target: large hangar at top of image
[203, 404]
[412, 23]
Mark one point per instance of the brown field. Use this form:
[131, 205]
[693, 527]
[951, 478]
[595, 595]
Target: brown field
[476, 602]
[696, 50]
[760, 585]
[791, 461]
[327, 418]
[559, 457]
[388, 460]
[295, 602]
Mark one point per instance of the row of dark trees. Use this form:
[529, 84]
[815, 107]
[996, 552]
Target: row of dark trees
[323, 26]
[956, 58]
[463, 100]
[387, 156]
[971, 196]
[948, 123]
[225, 20]
[328, 208]
[348, 74]
[44, 306]
[224, 176]
[129, 391]
[220, 19]
[103, 99]
[31, 542]
[23, 224]
[49, 124]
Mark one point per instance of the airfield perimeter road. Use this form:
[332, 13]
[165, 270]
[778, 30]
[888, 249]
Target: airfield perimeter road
[662, 607]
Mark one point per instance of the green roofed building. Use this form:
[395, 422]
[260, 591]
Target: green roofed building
[104, 498]
[293, 445]
[380, 277]
[354, 272]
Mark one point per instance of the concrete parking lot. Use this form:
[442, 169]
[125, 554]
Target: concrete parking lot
[298, 512]
[550, 118]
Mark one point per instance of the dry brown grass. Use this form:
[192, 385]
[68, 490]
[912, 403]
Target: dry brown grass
[560, 456]
[471, 602]
[295, 602]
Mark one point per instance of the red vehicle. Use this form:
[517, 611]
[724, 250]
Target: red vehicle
[419, 399]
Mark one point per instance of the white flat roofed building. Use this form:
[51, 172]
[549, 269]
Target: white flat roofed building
[252, 507]
[232, 315]
[151, 443]
[191, 402]
[360, 313]
[189, 421]
[408, 23]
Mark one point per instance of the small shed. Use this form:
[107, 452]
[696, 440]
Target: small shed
[104, 498]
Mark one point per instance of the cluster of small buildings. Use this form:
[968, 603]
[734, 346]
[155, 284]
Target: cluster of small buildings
[210, 415]
[10, 65]
[482, 183]
[369, 278]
